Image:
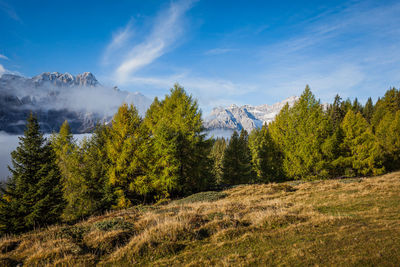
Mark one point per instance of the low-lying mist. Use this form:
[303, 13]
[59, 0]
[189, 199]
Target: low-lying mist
[8, 143]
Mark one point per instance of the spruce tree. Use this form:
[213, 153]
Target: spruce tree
[236, 163]
[265, 156]
[336, 113]
[368, 110]
[33, 195]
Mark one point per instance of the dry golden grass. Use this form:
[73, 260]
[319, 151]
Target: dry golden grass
[335, 222]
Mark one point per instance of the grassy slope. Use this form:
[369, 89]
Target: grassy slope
[335, 222]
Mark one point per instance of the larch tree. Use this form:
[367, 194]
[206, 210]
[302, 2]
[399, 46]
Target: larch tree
[217, 155]
[127, 168]
[180, 162]
[300, 132]
[362, 154]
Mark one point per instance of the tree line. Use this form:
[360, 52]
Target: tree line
[166, 155]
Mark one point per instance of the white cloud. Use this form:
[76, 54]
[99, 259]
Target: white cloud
[166, 28]
[210, 92]
[352, 51]
[3, 57]
[120, 38]
[2, 70]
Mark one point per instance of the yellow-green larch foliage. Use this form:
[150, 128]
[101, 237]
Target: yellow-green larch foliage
[64, 146]
[362, 154]
[299, 133]
[67, 154]
[217, 155]
[178, 146]
[388, 134]
[127, 165]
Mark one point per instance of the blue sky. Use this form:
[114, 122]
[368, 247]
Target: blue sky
[222, 52]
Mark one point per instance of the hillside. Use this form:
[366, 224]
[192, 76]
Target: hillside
[331, 222]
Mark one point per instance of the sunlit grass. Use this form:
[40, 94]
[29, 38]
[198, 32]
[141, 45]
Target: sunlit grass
[333, 222]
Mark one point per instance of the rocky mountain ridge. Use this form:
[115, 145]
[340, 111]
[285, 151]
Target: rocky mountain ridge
[246, 117]
[56, 97]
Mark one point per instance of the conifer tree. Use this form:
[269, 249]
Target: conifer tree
[362, 154]
[96, 162]
[368, 110]
[217, 155]
[390, 103]
[388, 134]
[67, 159]
[236, 163]
[357, 107]
[86, 190]
[300, 132]
[33, 195]
[180, 162]
[127, 168]
[336, 113]
[265, 156]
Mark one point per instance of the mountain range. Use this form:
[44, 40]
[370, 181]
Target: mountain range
[83, 101]
[244, 117]
[56, 97]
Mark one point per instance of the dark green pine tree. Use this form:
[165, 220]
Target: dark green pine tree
[33, 195]
[236, 163]
[336, 113]
[357, 107]
[265, 156]
[368, 110]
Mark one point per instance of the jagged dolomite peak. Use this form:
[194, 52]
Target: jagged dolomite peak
[245, 117]
[56, 97]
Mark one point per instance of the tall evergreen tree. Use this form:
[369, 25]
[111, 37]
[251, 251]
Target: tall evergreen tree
[357, 107]
[265, 156]
[236, 163]
[368, 110]
[33, 195]
[336, 113]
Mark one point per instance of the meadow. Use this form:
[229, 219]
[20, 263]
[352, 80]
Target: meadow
[340, 222]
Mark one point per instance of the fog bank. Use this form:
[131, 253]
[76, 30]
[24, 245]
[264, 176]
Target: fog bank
[8, 143]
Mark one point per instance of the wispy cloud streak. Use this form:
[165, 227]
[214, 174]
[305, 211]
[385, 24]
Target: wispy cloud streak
[9, 10]
[166, 28]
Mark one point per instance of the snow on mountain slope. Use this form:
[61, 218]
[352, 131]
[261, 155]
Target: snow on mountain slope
[56, 97]
[245, 117]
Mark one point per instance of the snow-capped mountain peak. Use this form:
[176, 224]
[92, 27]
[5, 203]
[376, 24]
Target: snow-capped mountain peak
[246, 117]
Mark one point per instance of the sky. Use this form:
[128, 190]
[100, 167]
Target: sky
[221, 52]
